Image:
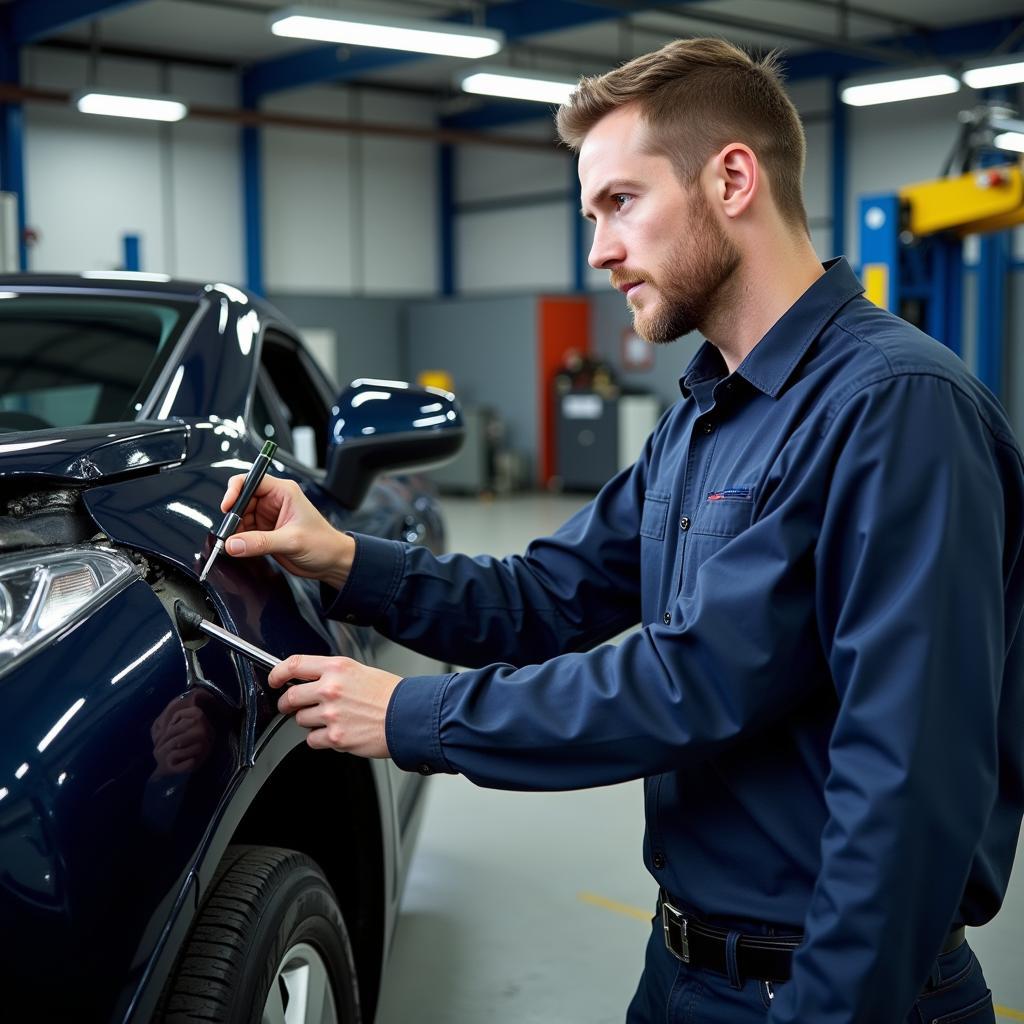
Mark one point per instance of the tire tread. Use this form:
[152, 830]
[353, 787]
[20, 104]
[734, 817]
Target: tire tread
[205, 975]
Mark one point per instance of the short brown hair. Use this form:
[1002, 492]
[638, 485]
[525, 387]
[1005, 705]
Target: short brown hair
[697, 95]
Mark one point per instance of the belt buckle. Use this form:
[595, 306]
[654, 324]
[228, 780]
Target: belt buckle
[676, 927]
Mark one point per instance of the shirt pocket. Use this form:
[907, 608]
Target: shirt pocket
[724, 513]
[652, 548]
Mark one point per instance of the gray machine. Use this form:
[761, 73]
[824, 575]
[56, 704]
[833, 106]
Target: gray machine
[598, 435]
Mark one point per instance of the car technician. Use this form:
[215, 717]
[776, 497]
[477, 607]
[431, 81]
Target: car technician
[822, 541]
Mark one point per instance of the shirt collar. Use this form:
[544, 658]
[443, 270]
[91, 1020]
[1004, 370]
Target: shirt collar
[771, 362]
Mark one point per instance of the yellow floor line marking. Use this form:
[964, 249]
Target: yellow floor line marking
[619, 908]
[645, 915]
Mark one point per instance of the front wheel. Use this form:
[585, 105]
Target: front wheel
[269, 945]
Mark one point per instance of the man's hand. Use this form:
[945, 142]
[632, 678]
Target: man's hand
[281, 521]
[343, 703]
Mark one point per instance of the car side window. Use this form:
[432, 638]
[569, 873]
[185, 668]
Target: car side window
[298, 399]
[266, 415]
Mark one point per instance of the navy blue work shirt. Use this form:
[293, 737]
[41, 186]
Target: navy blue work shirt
[825, 698]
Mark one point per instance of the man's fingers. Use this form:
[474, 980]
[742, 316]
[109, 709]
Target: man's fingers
[319, 740]
[299, 666]
[266, 486]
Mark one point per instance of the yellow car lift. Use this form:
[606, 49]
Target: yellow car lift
[912, 259]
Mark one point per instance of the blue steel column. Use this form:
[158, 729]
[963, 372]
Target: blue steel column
[446, 220]
[12, 134]
[252, 191]
[839, 129]
[993, 268]
[993, 271]
[132, 252]
[945, 304]
[579, 249]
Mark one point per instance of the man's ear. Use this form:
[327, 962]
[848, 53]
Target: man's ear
[736, 177]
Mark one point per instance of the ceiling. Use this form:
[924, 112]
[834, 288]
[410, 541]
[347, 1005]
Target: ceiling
[234, 33]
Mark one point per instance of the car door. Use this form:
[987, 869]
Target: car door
[293, 389]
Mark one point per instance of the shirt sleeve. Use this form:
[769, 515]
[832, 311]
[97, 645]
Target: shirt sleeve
[910, 604]
[567, 592]
[738, 655]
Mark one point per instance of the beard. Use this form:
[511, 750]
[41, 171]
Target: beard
[692, 281]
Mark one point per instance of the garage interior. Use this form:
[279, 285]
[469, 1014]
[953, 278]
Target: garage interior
[416, 231]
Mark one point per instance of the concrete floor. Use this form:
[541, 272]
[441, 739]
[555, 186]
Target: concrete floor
[534, 908]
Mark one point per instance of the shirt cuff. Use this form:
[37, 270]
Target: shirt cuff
[377, 569]
[412, 727]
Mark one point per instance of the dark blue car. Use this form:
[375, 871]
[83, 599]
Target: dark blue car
[170, 848]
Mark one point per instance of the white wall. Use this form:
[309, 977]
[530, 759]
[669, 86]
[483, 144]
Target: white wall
[343, 214]
[90, 180]
[531, 246]
[521, 247]
[350, 214]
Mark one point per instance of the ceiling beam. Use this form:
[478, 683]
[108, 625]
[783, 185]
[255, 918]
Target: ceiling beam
[959, 42]
[517, 19]
[31, 20]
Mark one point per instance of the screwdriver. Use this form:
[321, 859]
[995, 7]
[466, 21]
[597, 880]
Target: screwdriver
[230, 522]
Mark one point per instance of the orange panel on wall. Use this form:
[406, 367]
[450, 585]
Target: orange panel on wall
[563, 324]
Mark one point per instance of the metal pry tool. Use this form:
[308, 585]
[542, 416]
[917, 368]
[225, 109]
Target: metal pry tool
[191, 624]
[230, 522]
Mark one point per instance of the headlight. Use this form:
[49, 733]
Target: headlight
[40, 593]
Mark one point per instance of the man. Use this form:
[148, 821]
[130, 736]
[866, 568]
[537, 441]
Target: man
[822, 541]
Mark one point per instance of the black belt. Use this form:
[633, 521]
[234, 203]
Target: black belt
[760, 957]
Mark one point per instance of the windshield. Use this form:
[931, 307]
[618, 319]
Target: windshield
[68, 360]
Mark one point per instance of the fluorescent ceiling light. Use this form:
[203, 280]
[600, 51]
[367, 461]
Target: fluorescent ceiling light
[115, 104]
[992, 73]
[449, 39]
[1010, 140]
[519, 85]
[864, 93]
[124, 275]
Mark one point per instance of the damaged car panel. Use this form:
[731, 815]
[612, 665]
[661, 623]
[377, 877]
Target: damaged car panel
[143, 764]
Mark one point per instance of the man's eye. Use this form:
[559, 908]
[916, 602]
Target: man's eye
[620, 198]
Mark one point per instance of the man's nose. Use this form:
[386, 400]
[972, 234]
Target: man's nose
[606, 250]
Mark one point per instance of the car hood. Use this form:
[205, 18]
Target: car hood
[98, 451]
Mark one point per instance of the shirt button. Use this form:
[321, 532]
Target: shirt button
[659, 861]
[425, 769]
[684, 523]
[667, 618]
[708, 427]
[350, 618]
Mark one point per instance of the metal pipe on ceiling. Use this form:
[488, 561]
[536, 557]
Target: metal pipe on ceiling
[702, 14]
[273, 119]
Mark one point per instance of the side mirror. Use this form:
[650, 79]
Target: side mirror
[380, 426]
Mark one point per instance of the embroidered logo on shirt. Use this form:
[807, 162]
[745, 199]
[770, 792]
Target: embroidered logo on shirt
[734, 493]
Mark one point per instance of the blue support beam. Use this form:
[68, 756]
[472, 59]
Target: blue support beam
[991, 278]
[839, 171]
[12, 133]
[131, 246]
[496, 113]
[446, 225]
[579, 248]
[517, 19]
[961, 41]
[252, 199]
[948, 43]
[32, 20]
[945, 311]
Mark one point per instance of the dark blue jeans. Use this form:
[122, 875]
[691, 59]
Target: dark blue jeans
[671, 992]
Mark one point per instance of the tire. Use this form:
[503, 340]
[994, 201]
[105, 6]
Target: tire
[269, 928]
